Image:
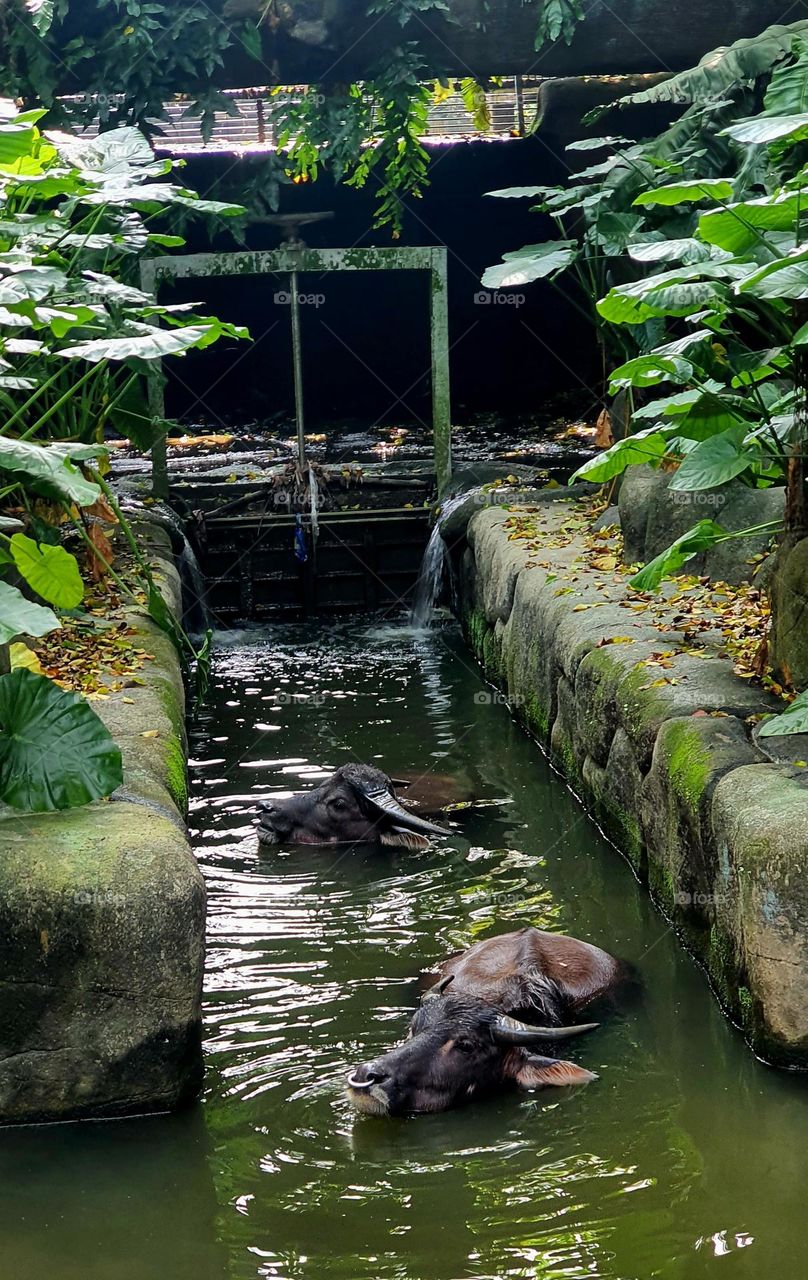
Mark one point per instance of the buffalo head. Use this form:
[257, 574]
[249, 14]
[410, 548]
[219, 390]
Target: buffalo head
[458, 1049]
[356, 805]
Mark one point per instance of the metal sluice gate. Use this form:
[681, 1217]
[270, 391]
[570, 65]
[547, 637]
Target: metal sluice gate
[263, 564]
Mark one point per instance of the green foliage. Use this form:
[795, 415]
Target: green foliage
[794, 720]
[689, 251]
[50, 571]
[19, 616]
[701, 537]
[54, 751]
[75, 219]
[151, 51]
[558, 20]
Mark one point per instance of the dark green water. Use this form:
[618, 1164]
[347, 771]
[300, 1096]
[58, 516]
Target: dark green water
[684, 1159]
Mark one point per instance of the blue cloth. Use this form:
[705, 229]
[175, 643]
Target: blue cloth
[301, 550]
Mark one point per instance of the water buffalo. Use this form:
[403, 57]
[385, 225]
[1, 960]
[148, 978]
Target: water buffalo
[356, 805]
[469, 1038]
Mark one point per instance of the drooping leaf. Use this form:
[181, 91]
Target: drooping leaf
[534, 262]
[715, 461]
[51, 571]
[41, 12]
[701, 537]
[683, 250]
[787, 93]
[784, 278]
[725, 68]
[645, 446]
[649, 371]
[687, 192]
[523, 192]
[758, 130]
[742, 225]
[21, 617]
[597, 144]
[794, 720]
[144, 346]
[55, 753]
[50, 470]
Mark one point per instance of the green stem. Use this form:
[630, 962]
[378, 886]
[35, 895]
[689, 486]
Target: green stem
[64, 398]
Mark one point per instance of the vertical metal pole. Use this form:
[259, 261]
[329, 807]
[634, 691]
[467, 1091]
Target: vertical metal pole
[441, 398]
[520, 105]
[297, 358]
[154, 394]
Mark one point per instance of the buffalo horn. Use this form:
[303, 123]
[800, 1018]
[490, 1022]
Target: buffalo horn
[386, 803]
[512, 1031]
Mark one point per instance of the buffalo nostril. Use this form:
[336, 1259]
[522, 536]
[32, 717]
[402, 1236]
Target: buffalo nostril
[365, 1077]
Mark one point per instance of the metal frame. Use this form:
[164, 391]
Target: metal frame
[288, 259]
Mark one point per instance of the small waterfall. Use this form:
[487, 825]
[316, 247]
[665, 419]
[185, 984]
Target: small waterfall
[433, 567]
[196, 617]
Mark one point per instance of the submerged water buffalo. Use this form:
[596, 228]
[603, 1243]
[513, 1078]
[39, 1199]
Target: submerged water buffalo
[471, 1035]
[356, 805]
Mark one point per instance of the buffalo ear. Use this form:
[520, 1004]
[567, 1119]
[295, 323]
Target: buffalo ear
[535, 1072]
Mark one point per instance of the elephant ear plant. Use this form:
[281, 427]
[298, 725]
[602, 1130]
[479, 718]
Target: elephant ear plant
[77, 335]
[689, 251]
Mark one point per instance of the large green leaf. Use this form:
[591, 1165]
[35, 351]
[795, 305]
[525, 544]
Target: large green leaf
[674, 406]
[785, 278]
[144, 346]
[725, 68]
[649, 371]
[687, 192]
[613, 232]
[743, 225]
[766, 129]
[645, 446]
[15, 140]
[534, 262]
[522, 193]
[787, 93]
[50, 571]
[671, 250]
[30, 284]
[794, 720]
[715, 461]
[118, 151]
[20, 617]
[700, 538]
[55, 753]
[50, 469]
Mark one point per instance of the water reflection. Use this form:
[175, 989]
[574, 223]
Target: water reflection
[683, 1157]
[314, 964]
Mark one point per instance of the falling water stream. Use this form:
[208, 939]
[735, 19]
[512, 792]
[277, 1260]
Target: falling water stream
[431, 575]
[685, 1159]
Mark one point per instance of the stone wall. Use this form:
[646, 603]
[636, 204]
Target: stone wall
[671, 770]
[102, 919]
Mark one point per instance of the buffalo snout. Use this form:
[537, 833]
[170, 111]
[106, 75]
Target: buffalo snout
[459, 1049]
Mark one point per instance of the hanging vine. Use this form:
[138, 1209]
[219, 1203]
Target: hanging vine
[362, 133]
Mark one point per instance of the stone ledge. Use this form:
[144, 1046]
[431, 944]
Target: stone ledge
[717, 830]
[102, 919]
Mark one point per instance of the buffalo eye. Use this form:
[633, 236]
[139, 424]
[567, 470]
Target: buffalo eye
[338, 804]
[464, 1046]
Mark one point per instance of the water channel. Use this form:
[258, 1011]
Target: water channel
[686, 1158]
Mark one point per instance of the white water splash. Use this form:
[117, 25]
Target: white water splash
[433, 567]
